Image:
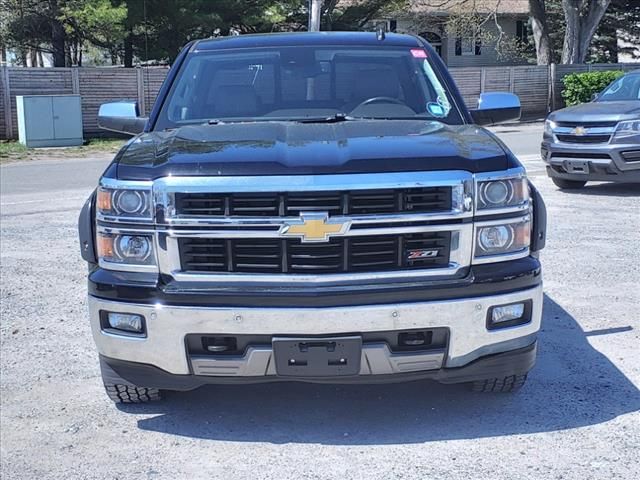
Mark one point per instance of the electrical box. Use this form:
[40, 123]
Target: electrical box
[49, 120]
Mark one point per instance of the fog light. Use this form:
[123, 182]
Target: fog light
[127, 322]
[509, 315]
[506, 313]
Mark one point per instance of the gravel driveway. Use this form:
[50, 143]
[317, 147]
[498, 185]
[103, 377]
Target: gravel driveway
[577, 418]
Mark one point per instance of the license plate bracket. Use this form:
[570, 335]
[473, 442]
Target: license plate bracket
[577, 166]
[317, 357]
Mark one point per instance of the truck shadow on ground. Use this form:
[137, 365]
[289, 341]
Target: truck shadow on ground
[573, 385]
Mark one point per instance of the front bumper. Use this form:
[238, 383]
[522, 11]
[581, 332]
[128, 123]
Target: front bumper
[600, 162]
[164, 346]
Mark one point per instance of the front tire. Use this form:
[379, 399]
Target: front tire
[563, 184]
[120, 390]
[130, 394]
[509, 384]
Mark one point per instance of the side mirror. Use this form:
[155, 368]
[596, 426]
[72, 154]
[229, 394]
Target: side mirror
[594, 96]
[496, 108]
[121, 117]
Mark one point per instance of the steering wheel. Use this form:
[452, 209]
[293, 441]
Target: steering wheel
[369, 101]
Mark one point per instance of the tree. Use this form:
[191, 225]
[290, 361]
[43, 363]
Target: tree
[540, 28]
[582, 19]
[98, 22]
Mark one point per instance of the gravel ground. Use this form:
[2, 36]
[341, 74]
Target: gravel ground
[577, 418]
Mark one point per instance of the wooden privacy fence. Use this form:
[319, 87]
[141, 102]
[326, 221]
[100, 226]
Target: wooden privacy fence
[537, 86]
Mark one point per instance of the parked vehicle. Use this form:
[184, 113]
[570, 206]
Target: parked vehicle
[313, 207]
[597, 141]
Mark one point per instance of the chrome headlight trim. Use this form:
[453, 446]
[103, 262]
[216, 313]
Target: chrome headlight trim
[143, 188]
[130, 267]
[512, 176]
[500, 257]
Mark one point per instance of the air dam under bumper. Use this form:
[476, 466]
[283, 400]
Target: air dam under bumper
[167, 326]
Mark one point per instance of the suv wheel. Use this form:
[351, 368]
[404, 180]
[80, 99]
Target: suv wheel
[512, 383]
[563, 184]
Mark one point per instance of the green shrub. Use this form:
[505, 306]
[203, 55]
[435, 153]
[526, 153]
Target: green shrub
[580, 87]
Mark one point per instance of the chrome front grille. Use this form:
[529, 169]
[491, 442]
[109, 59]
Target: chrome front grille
[585, 133]
[338, 255]
[285, 204]
[381, 226]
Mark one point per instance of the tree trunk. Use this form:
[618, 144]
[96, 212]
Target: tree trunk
[540, 31]
[33, 57]
[582, 24]
[57, 36]
[128, 50]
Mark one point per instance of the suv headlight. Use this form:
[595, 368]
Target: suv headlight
[549, 127]
[502, 193]
[124, 201]
[502, 238]
[627, 129]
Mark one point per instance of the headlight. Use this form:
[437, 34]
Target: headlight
[126, 203]
[502, 193]
[126, 251]
[628, 129]
[549, 127]
[503, 238]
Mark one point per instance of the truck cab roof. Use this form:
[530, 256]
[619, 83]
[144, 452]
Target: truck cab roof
[305, 38]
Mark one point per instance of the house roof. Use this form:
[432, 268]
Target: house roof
[503, 7]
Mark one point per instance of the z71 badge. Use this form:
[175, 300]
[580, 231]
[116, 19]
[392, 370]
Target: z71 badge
[421, 253]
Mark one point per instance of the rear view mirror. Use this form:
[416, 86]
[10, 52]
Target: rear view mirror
[121, 117]
[495, 108]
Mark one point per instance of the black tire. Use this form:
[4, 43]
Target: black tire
[563, 184]
[120, 390]
[129, 394]
[509, 384]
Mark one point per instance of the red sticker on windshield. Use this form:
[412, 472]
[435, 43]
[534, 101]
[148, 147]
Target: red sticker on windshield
[418, 53]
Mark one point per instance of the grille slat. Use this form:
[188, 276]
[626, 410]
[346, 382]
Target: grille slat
[279, 204]
[583, 138]
[339, 255]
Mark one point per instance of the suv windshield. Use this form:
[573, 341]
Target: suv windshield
[625, 88]
[304, 82]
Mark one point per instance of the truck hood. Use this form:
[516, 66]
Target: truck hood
[290, 148]
[598, 112]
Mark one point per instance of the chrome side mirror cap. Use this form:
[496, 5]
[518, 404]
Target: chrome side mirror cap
[121, 117]
[496, 107]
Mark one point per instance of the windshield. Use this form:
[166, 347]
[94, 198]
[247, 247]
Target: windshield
[297, 83]
[625, 88]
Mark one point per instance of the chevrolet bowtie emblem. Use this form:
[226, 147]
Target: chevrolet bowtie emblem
[314, 227]
[580, 131]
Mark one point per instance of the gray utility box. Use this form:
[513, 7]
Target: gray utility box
[49, 120]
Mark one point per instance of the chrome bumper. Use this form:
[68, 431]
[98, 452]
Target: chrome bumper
[167, 326]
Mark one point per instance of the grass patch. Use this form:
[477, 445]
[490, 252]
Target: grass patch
[12, 151]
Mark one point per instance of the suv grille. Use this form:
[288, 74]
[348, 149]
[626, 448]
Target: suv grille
[584, 138]
[356, 202]
[339, 255]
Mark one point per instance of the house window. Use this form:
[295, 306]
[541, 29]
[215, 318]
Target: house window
[522, 31]
[468, 46]
[434, 39]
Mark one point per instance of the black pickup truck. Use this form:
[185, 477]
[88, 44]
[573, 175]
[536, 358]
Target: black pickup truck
[317, 207]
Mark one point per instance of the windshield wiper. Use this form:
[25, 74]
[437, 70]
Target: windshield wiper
[337, 118]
